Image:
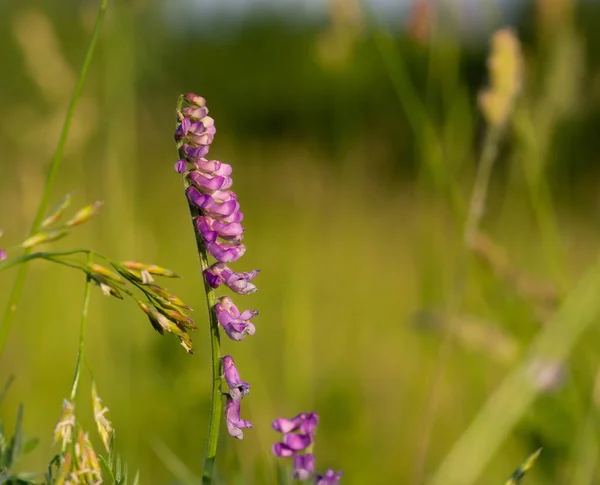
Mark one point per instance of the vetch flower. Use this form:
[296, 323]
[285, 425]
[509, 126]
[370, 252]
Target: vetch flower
[330, 478]
[304, 466]
[210, 229]
[297, 442]
[216, 218]
[237, 388]
[236, 325]
[235, 424]
[220, 273]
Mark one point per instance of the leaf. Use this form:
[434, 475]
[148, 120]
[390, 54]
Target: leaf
[136, 479]
[16, 443]
[520, 472]
[9, 381]
[106, 468]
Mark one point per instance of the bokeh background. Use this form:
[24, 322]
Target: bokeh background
[354, 133]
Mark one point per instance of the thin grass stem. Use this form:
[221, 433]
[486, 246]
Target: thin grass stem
[82, 327]
[17, 289]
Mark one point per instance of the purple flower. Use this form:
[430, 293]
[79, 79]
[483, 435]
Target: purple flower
[220, 273]
[182, 129]
[237, 388]
[304, 466]
[236, 325]
[298, 438]
[330, 478]
[3, 255]
[210, 229]
[226, 253]
[193, 154]
[303, 422]
[213, 166]
[232, 417]
[201, 132]
[180, 166]
[195, 100]
[209, 182]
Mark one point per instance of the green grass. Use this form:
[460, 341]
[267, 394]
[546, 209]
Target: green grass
[356, 265]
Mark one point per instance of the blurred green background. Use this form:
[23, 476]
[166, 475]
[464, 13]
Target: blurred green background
[354, 134]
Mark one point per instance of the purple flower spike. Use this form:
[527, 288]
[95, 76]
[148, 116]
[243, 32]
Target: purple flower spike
[232, 416]
[220, 273]
[330, 478]
[237, 388]
[225, 253]
[3, 255]
[304, 466]
[181, 166]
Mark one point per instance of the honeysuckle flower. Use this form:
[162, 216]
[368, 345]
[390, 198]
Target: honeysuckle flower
[236, 325]
[234, 422]
[237, 388]
[220, 273]
[304, 466]
[330, 478]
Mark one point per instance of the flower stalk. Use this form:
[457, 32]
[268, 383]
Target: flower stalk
[216, 221]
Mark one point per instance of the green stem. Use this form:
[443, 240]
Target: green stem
[17, 289]
[475, 213]
[24, 258]
[84, 317]
[215, 345]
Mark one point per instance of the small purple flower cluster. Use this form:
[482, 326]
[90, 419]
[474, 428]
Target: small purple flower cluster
[208, 184]
[297, 442]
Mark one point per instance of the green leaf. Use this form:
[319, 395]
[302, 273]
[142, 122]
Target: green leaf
[136, 479]
[9, 381]
[106, 468]
[16, 443]
[520, 472]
